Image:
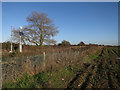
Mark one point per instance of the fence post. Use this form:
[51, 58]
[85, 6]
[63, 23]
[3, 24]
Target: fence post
[74, 54]
[44, 59]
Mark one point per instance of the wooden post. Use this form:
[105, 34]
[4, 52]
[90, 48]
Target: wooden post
[44, 59]
[74, 54]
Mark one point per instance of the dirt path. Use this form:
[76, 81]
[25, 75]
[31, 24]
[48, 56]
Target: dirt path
[80, 77]
[104, 73]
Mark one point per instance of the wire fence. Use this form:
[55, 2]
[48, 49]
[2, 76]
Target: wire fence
[13, 67]
[16, 66]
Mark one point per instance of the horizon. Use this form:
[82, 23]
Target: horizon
[90, 22]
[58, 44]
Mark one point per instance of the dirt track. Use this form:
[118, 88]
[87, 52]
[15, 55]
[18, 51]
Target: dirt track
[104, 73]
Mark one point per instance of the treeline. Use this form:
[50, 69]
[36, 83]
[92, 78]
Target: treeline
[67, 43]
[7, 45]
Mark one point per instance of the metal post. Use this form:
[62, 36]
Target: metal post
[20, 45]
[11, 39]
[20, 41]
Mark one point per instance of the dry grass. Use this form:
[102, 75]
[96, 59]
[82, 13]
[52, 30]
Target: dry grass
[66, 66]
[32, 58]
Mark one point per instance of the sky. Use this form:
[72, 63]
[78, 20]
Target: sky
[90, 22]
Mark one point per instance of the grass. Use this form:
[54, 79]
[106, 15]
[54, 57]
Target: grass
[60, 71]
[59, 75]
[42, 80]
[95, 55]
[27, 81]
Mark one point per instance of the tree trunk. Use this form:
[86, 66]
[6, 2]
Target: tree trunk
[41, 42]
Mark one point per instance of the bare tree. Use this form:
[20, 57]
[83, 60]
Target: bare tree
[39, 30]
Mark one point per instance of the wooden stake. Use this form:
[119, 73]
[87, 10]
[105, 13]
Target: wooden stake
[44, 59]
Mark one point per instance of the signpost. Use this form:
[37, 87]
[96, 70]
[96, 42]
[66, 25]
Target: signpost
[20, 33]
[11, 39]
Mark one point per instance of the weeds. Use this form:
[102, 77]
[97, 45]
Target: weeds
[63, 66]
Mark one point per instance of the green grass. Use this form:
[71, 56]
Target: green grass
[58, 78]
[95, 56]
[27, 81]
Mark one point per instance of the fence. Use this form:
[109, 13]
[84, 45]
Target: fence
[15, 67]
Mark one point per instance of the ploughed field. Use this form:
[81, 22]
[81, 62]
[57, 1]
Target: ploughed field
[71, 67]
[103, 73]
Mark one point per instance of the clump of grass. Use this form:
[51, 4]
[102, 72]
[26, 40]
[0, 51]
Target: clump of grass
[9, 85]
[69, 68]
[27, 81]
[42, 79]
[60, 77]
[77, 68]
[94, 56]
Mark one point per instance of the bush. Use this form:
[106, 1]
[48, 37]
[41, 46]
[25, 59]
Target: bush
[90, 44]
[6, 45]
[64, 43]
[81, 44]
[41, 78]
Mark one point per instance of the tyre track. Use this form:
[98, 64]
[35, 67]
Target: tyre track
[103, 77]
[99, 70]
[81, 79]
[112, 80]
[75, 79]
[100, 74]
[84, 85]
[91, 73]
[108, 68]
[115, 52]
[116, 73]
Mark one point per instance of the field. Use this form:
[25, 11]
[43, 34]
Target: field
[63, 67]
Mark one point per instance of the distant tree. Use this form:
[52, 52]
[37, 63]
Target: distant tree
[6, 45]
[64, 43]
[81, 44]
[59, 44]
[90, 44]
[39, 30]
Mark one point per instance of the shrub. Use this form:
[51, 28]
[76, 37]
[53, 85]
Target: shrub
[6, 45]
[64, 43]
[41, 78]
[81, 44]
